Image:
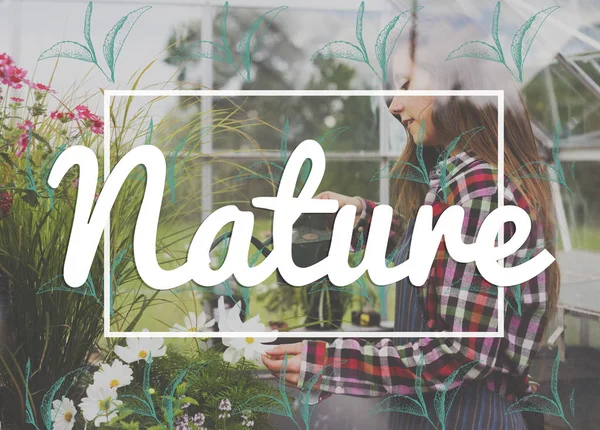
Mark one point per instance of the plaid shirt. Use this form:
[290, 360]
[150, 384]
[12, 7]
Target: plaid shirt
[455, 298]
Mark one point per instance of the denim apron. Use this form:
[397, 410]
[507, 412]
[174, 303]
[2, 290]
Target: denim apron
[475, 406]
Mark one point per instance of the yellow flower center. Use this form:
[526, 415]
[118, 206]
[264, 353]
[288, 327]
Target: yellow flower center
[143, 354]
[114, 383]
[104, 405]
[68, 417]
[192, 329]
[249, 340]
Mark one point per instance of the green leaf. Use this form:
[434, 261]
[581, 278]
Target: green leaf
[524, 37]
[189, 400]
[443, 399]
[392, 404]
[68, 49]
[223, 33]
[359, 31]
[554, 382]
[116, 37]
[29, 417]
[244, 46]
[572, 402]
[340, 49]
[268, 171]
[476, 49]
[257, 402]
[388, 37]
[331, 135]
[534, 403]
[283, 147]
[204, 49]
[149, 133]
[495, 20]
[46, 406]
[87, 30]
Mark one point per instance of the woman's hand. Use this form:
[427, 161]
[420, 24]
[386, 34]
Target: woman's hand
[342, 201]
[274, 362]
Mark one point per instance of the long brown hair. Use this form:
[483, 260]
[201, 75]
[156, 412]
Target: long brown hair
[455, 115]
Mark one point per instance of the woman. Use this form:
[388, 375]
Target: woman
[491, 372]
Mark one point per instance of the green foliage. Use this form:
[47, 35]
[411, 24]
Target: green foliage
[113, 42]
[521, 43]
[544, 171]
[538, 403]
[420, 173]
[384, 46]
[442, 401]
[221, 52]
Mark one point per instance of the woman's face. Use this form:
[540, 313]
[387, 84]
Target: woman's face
[414, 111]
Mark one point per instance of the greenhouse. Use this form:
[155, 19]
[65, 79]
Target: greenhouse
[227, 91]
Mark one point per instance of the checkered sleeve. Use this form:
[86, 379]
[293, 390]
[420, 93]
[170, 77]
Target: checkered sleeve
[359, 368]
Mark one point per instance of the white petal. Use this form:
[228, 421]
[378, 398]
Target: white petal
[126, 354]
[231, 355]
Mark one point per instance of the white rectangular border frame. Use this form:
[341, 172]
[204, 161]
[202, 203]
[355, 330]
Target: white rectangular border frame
[299, 93]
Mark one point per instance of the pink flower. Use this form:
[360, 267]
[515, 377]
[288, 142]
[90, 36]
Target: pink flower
[17, 99]
[24, 140]
[97, 127]
[62, 116]
[12, 76]
[40, 87]
[93, 121]
[6, 201]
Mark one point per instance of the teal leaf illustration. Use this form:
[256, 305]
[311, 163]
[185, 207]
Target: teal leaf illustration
[244, 46]
[46, 406]
[534, 403]
[359, 30]
[388, 37]
[572, 402]
[263, 403]
[445, 154]
[305, 408]
[476, 49]
[523, 38]
[140, 406]
[283, 147]
[543, 405]
[46, 168]
[87, 25]
[223, 33]
[521, 42]
[443, 399]
[495, 36]
[544, 171]
[116, 37]
[204, 49]
[328, 138]
[171, 161]
[407, 404]
[149, 132]
[168, 399]
[340, 49]
[68, 49]
[29, 418]
[269, 171]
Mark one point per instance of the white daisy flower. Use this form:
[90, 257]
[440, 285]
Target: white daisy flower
[115, 376]
[194, 323]
[249, 347]
[100, 405]
[141, 348]
[63, 414]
